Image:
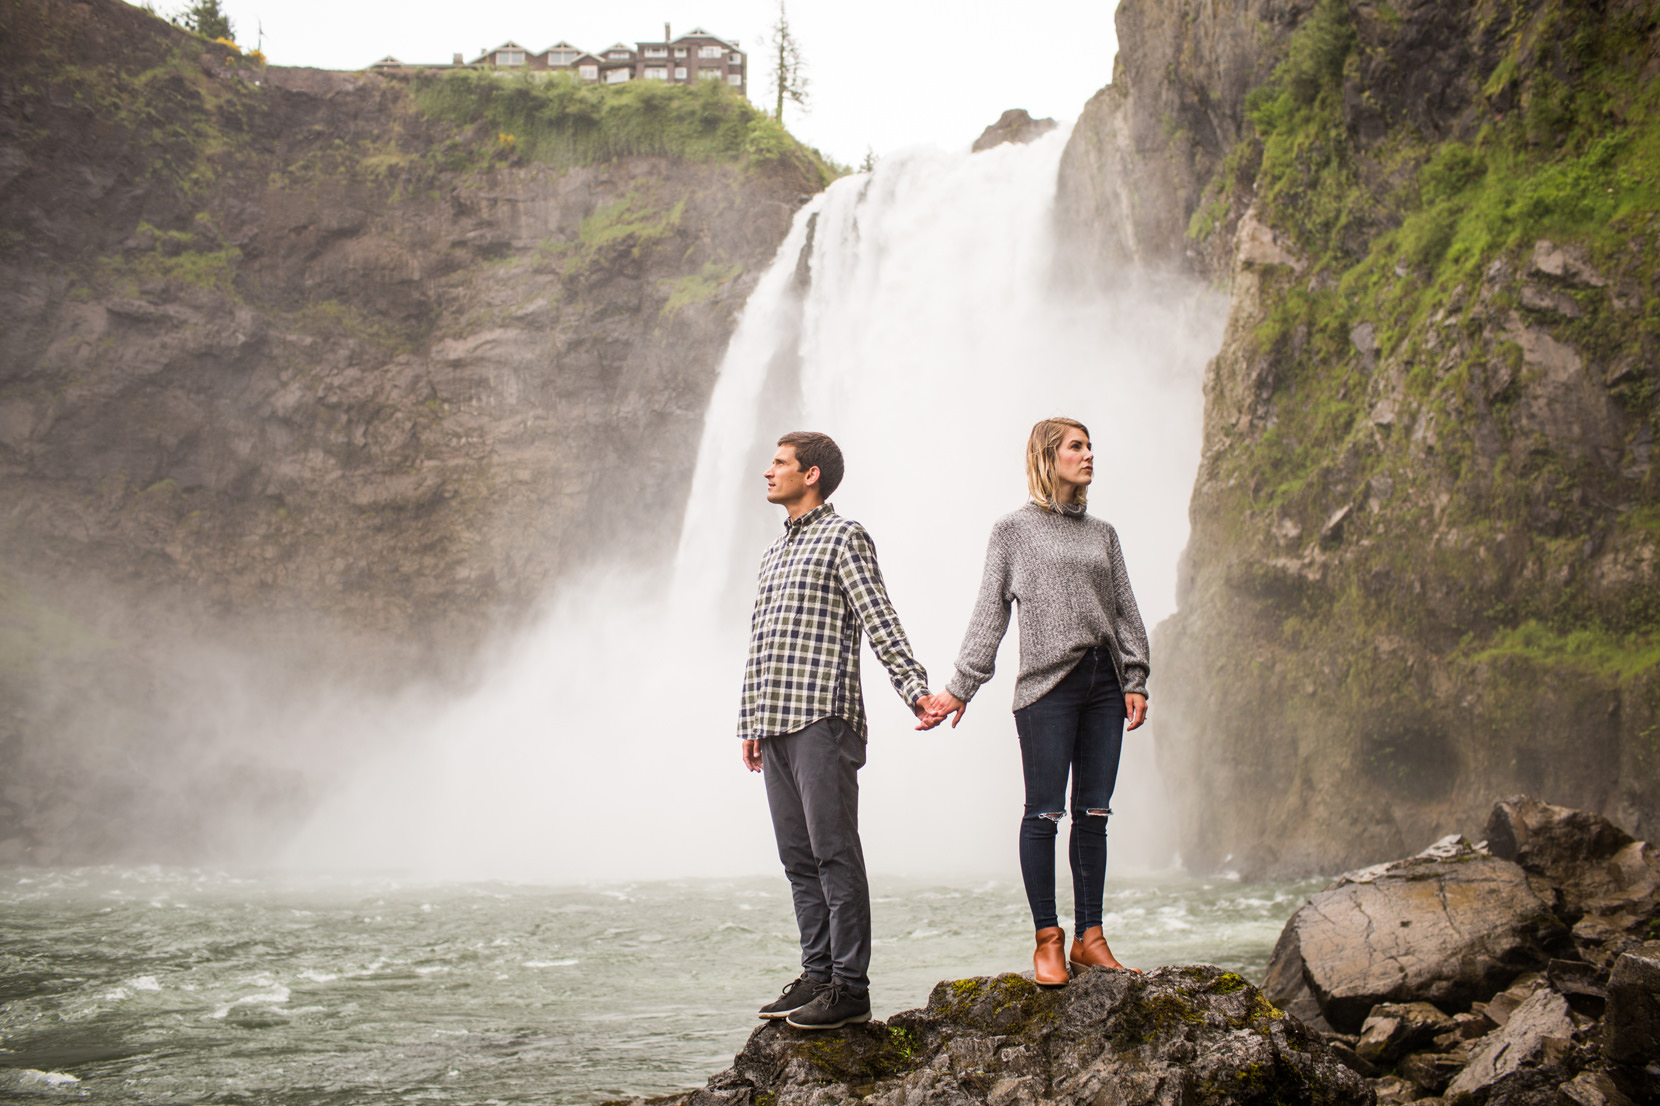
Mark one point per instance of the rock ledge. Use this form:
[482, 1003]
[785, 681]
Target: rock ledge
[1191, 1035]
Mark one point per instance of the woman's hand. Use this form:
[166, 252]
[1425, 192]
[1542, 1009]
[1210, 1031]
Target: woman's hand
[1135, 706]
[939, 705]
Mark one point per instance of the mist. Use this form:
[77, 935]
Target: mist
[914, 315]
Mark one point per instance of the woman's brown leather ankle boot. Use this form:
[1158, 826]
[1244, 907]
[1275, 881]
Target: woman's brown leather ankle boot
[1089, 950]
[1048, 965]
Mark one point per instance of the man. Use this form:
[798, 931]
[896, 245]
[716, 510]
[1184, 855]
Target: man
[802, 722]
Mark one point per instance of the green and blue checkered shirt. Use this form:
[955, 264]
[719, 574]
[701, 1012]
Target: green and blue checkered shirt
[819, 586]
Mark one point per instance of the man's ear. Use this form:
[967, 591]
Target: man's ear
[812, 476]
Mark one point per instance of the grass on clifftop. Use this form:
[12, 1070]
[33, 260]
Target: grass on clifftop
[563, 122]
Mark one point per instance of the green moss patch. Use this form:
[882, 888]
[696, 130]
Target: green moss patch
[700, 287]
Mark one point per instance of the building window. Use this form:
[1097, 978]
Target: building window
[656, 73]
[617, 76]
[657, 51]
[618, 55]
[736, 80]
[709, 51]
[736, 59]
[709, 74]
[510, 57]
[562, 57]
[588, 72]
[679, 51]
[680, 72]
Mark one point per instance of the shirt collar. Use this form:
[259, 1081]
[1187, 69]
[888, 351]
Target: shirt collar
[823, 510]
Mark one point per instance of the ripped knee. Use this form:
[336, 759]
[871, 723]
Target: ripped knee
[1053, 817]
[1099, 812]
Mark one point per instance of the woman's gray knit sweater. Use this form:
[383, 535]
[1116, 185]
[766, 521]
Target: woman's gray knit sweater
[1067, 574]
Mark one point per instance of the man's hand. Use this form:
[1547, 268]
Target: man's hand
[752, 754]
[1136, 707]
[938, 706]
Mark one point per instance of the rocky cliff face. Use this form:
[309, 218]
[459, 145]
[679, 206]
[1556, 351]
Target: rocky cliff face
[1423, 564]
[289, 365]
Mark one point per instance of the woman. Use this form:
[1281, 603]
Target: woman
[1083, 672]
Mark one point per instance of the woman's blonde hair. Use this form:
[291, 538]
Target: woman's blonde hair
[1041, 450]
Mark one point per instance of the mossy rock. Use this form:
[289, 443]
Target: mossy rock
[1200, 1030]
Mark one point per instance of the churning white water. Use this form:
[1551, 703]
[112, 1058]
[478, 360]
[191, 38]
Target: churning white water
[914, 315]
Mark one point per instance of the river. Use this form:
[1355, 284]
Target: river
[157, 985]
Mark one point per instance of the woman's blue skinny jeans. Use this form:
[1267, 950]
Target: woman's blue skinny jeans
[1076, 728]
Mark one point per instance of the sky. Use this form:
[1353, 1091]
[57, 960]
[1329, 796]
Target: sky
[885, 74]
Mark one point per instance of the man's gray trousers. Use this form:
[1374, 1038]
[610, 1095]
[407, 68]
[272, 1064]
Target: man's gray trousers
[812, 778]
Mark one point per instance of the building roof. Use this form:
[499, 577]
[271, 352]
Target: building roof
[508, 45]
[699, 32]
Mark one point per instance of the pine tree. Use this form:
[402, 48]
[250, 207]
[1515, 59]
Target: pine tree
[789, 81]
[205, 18]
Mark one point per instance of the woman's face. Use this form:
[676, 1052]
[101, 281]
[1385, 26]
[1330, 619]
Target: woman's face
[1074, 463]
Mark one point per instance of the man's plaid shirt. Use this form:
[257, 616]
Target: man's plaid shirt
[819, 586]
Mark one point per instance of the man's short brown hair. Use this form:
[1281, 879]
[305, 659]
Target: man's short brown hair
[815, 450]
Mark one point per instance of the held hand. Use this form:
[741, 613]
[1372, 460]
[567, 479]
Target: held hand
[927, 716]
[946, 703]
[752, 754]
[1135, 706]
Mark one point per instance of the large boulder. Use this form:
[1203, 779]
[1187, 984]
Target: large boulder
[1595, 864]
[1452, 925]
[1194, 1036]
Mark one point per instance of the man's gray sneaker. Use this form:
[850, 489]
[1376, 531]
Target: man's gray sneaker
[833, 1007]
[795, 996]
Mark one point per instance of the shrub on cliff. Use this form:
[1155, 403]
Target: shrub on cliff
[563, 122]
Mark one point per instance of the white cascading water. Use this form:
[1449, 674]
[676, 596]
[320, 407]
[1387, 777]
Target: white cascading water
[925, 331]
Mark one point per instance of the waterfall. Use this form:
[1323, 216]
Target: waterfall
[914, 315]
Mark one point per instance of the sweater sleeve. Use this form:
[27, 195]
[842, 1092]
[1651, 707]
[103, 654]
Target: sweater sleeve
[977, 659]
[1134, 652]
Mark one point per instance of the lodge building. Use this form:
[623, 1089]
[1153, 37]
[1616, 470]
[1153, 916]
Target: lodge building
[696, 56]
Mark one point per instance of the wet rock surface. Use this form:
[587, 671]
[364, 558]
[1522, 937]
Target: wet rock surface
[1192, 1035]
[1490, 999]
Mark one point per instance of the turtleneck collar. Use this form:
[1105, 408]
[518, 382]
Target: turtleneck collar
[1070, 510]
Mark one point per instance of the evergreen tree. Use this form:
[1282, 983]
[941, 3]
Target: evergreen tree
[205, 18]
[789, 81]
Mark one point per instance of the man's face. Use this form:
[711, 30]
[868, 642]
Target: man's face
[786, 483]
[1075, 461]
